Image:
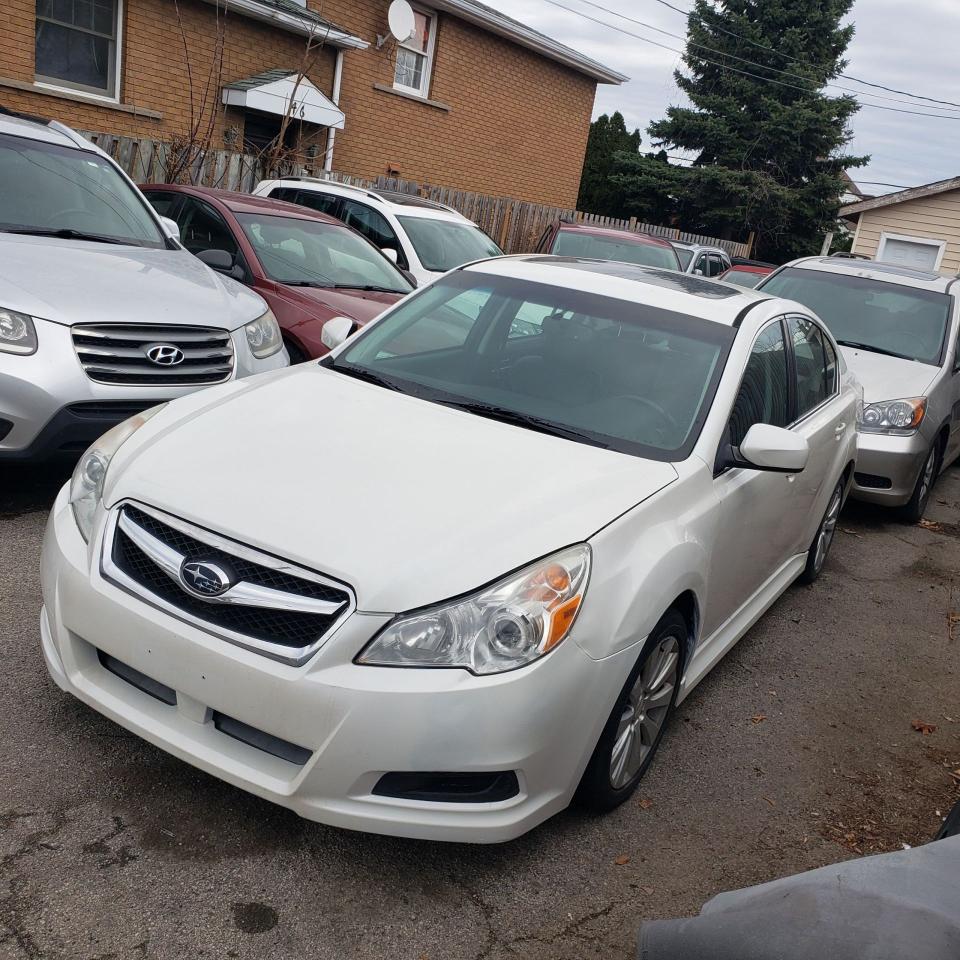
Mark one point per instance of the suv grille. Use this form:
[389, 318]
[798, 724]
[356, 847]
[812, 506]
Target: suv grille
[117, 353]
[271, 606]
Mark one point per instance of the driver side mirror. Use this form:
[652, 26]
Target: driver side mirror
[222, 262]
[698, 272]
[171, 227]
[766, 447]
[335, 331]
[391, 254]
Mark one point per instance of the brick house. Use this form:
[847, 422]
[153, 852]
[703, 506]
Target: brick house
[474, 99]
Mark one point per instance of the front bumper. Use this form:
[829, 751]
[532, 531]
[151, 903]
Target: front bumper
[49, 406]
[357, 723]
[888, 467]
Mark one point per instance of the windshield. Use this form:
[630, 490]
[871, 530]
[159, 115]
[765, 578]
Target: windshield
[310, 252]
[442, 245]
[685, 256]
[742, 278]
[46, 188]
[868, 313]
[579, 243]
[614, 373]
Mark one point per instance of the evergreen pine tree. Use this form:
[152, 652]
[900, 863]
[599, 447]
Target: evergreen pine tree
[608, 137]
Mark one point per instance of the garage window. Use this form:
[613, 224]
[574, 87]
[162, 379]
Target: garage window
[917, 253]
[77, 44]
[415, 56]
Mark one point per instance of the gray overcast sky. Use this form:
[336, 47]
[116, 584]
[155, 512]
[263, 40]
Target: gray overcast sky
[911, 46]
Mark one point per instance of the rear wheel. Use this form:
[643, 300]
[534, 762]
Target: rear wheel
[917, 505]
[820, 548]
[638, 720]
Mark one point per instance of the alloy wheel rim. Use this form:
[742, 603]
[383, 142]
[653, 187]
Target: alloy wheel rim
[927, 481]
[827, 530]
[645, 711]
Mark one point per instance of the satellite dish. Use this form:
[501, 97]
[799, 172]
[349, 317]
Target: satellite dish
[402, 22]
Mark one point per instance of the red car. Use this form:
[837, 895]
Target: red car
[747, 273]
[602, 243]
[306, 265]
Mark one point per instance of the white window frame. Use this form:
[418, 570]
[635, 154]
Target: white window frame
[941, 245]
[64, 86]
[423, 91]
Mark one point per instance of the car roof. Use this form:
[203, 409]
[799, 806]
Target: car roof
[669, 289]
[40, 128]
[628, 235]
[877, 270]
[399, 204]
[698, 246]
[237, 202]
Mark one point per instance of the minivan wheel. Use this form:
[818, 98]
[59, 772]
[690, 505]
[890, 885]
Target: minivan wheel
[638, 720]
[917, 505]
[820, 548]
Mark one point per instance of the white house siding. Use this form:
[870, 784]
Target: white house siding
[929, 218]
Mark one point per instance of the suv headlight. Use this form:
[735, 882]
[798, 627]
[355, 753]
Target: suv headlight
[17, 333]
[263, 336]
[897, 417]
[86, 484]
[504, 626]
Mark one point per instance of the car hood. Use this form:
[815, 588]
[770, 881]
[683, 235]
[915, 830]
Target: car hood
[408, 501]
[888, 378]
[76, 281]
[359, 305]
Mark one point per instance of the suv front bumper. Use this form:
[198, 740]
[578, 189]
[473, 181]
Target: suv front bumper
[49, 406]
[888, 467]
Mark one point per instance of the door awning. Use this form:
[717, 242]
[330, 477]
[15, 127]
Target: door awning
[273, 91]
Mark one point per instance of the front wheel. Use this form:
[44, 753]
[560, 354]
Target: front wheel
[917, 504]
[638, 719]
[817, 554]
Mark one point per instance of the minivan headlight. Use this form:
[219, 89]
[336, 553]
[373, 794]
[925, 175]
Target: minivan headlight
[501, 627]
[17, 333]
[897, 417]
[86, 484]
[263, 336]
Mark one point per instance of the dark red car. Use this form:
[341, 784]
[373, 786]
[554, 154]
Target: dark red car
[747, 273]
[306, 265]
[602, 243]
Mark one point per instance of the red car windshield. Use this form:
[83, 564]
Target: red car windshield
[580, 243]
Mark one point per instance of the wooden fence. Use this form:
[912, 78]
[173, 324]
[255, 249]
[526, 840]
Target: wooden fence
[516, 225]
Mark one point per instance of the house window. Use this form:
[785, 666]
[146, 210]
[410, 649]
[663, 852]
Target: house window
[77, 44]
[415, 57]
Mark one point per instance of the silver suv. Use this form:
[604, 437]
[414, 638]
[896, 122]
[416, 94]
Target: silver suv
[102, 312]
[899, 330]
[702, 260]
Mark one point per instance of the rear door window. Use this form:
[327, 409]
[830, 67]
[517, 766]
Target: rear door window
[373, 226]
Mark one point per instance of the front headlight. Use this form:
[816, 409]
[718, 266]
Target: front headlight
[502, 627]
[86, 484]
[17, 333]
[263, 336]
[897, 417]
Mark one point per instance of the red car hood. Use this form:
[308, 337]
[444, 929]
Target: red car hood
[359, 305]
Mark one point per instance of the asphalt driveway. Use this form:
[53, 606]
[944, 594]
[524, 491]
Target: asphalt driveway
[798, 750]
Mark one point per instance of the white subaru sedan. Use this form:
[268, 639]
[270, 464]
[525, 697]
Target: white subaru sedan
[463, 570]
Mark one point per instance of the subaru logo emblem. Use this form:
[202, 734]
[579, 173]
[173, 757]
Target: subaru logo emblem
[205, 578]
[165, 354]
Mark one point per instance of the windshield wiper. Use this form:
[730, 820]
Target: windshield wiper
[874, 349]
[66, 233]
[307, 283]
[526, 420]
[360, 373]
[367, 288]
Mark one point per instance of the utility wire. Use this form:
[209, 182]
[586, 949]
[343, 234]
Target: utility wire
[745, 73]
[787, 56]
[751, 63]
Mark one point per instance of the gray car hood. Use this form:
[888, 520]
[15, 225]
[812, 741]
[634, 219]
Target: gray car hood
[888, 378]
[76, 281]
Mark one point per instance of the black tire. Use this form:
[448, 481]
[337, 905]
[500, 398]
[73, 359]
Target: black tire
[296, 354]
[597, 790]
[820, 548]
[913, 510]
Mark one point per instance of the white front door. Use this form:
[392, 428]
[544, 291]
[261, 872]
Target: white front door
[913, 252]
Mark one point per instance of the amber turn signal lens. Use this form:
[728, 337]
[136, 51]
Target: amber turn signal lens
[560, 621]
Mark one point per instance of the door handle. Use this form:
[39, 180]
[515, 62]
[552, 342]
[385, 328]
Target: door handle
[839, 430]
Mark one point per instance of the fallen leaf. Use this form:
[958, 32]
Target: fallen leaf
[647, 890]
[925, 728]
[955, 774]
[645, 804]
[853, 533]
[930, 525]
[621, 861]
[771, 802]
[758, 718]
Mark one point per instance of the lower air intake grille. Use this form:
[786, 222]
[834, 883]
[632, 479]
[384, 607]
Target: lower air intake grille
[872, 482]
